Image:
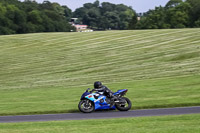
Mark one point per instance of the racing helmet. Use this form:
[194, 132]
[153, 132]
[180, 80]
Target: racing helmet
[97, 84]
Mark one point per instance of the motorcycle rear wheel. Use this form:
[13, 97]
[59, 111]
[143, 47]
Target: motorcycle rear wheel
[124, 106]
[86, 106]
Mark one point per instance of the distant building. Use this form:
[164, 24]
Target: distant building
[138, 18]
[80, 27]
[73, 20]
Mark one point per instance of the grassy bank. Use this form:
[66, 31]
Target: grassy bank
[47, 72]
[154, 93]
[161, 124]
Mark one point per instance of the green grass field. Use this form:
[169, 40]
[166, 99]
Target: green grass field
[47, 72]
[161, 124]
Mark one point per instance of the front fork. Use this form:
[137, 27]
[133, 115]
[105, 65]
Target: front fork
[87, 104]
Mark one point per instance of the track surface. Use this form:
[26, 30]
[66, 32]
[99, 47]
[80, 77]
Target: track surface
[101, 115]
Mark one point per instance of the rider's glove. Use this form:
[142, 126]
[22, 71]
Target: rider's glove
[91, 91]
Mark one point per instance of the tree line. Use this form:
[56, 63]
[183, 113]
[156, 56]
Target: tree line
[175, 14]
[28, 17]
[106, 15]
[18, 17]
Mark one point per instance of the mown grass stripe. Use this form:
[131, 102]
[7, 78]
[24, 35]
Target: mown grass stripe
[45, 40]
[120, 56]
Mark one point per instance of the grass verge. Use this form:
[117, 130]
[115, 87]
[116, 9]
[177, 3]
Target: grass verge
[152, 93]
[158, 124]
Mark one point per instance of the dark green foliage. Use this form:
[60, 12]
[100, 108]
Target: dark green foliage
[18, 17]
[194, 13]
[106, 15]
[173, 3]
[176, 14]
[30, 17]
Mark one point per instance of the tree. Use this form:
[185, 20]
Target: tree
[92, 18]
[88, 5]
[194, 13]
[29, 5]
[80, 12]
[105, 15]
[35, 17]
[67, 13]
[96, 4]
[112, 19]
[29, 17]
[126, 17]
[107, 7]
[197, 23]
[133, 22]
[155, 19]
[58, 9]
[173, 3]
[178, 16]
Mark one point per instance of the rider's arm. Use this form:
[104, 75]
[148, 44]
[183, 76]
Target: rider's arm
[99, 89]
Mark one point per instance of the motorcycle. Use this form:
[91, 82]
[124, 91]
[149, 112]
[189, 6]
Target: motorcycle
[90, 102]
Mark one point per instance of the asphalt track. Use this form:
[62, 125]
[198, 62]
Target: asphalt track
[100, 115]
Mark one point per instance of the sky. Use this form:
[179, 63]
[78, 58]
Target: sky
[138, 5]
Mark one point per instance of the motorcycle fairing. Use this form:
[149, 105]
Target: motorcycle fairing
[84, 95]
[99, 101]
[120, 91]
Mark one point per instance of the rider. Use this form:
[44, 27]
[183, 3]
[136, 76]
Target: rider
[107, 92]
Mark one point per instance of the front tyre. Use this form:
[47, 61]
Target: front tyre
[125, 105]
[86, 106]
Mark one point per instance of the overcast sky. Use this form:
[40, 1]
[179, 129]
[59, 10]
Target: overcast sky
[138, 5]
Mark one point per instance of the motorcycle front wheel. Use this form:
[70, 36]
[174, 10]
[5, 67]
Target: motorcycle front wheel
[86, 106]
[125, 106]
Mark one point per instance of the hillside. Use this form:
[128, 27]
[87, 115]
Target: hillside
[47, 72]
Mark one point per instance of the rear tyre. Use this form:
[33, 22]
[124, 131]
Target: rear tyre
[86, 106]
[125, 106]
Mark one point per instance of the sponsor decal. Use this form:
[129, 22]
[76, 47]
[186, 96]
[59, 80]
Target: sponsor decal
[89, 96]
[98, 99]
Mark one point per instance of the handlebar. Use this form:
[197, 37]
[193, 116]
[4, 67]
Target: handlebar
[89, 91]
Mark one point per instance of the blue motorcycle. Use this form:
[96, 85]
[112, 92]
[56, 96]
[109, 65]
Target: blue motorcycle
[97, 101]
